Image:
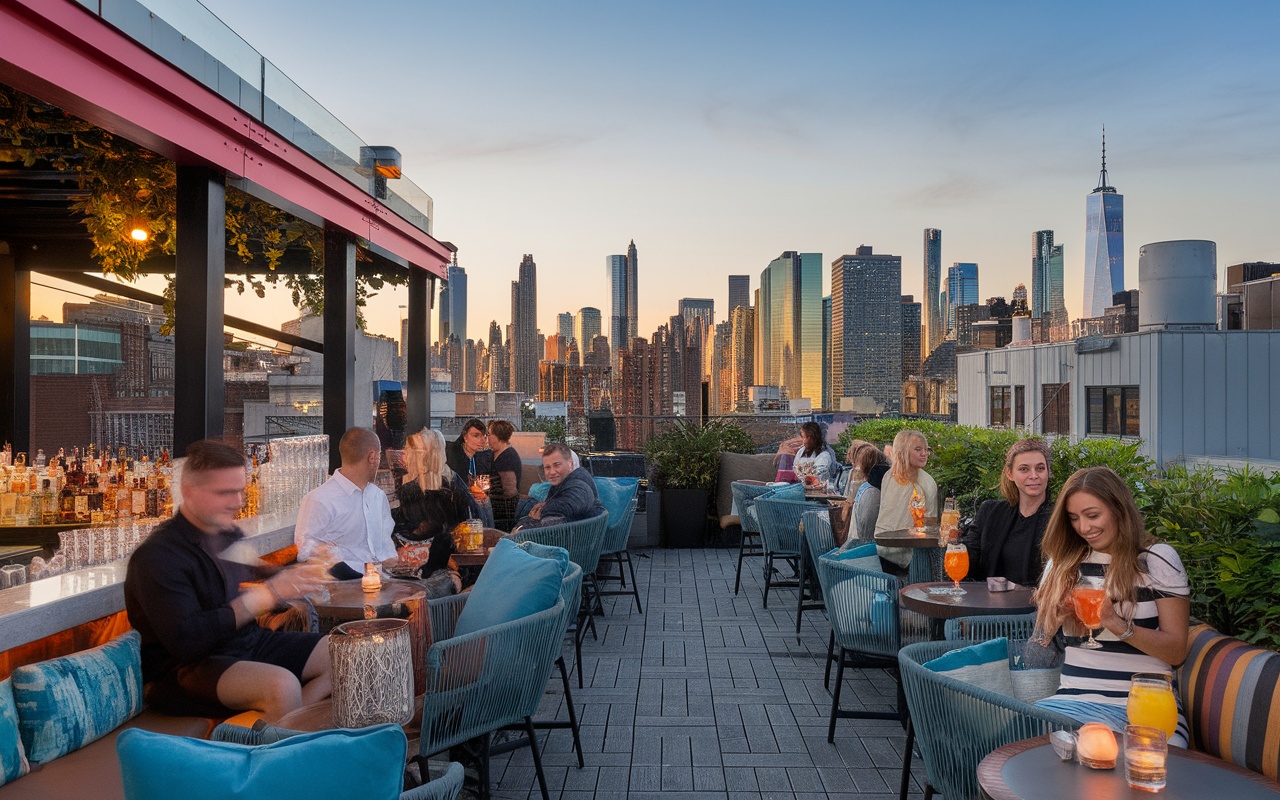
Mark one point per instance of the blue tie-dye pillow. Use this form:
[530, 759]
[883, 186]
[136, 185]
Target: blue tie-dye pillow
[65, 703]
[13, 759]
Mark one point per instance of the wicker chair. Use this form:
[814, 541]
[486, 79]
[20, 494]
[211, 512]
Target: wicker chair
[1017, 628]
[584, 540]
[958, 724]
[780, 531]
[744, 497]
[445, 787]
[488, 679]
[818, 539]
[619, 497]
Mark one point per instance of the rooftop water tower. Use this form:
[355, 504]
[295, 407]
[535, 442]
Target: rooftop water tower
[1177, 281]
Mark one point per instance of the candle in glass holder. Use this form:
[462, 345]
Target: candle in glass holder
[1146, 753]
[371, 581]
[1096, 746]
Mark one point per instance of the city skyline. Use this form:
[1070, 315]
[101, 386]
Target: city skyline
[955, 120]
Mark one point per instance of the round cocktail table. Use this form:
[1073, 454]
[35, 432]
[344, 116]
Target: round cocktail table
[396, 600]
[976, 601]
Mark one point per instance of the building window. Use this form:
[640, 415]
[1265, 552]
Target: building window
[1000, 403]
[1113, 410]
[1055, 402]
[1019, 406]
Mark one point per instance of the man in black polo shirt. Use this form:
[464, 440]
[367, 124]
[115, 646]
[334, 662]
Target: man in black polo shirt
[201, 648]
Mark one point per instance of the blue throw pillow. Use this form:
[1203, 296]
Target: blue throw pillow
[329, 765]
[791, 491]
[556, 554]
[984, 665]
[13, 758]
[616, 493]
[512, 585]
[539, 491]
[65, 703]
[863, 557]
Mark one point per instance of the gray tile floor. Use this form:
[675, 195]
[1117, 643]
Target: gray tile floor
[710, 695]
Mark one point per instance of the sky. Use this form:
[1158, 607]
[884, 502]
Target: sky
[719, 134]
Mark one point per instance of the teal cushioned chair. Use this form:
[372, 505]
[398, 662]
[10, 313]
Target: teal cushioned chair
[619, 497]
[744, 500]
[444, 787]
[818, 539]
[780, 532]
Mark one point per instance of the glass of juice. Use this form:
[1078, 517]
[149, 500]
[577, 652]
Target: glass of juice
[1086, 599]
[956, 564]
[1151, 701]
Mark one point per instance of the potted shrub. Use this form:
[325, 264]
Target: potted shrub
[685, 463]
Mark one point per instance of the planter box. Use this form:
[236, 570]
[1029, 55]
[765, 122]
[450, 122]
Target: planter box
[684, 517]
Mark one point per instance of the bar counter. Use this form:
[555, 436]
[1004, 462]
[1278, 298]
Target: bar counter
[45, 607]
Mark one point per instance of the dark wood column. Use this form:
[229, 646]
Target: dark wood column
[417, 360]
[15, 356]
[200, 268]
[339, 337]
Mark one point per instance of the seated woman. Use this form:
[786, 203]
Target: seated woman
[1096, 531]
[906, 479]
[814, 461]
[433, 498]
[1004, 539]
[864, 495]
[439, 575]
[504, 474]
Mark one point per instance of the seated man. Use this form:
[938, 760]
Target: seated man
[201, 648]
[573, 494]
[349, 514]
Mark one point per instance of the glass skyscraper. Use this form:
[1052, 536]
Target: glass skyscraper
[962, 289]
[739, 292]
[790, 325]
[1046, 276]
[624, 316]
[866, 330]
[453, 303]
[586, 326]
[525, 351]
[932, 311]
[1103, 243]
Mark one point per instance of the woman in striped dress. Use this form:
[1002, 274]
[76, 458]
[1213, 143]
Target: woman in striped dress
[1096, 531]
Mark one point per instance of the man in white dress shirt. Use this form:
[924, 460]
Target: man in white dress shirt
[348, 514]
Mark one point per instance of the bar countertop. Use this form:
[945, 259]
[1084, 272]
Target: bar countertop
[42, 608]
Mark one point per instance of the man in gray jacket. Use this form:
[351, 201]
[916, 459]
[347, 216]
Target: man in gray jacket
[573, 494]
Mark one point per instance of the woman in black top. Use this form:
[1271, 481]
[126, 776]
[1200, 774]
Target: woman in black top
[1004, 538]
[504, 475]
[433, 498]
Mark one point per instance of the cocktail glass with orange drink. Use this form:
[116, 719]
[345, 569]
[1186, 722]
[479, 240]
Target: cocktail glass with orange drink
[1086, 600]
[1151, 701]
[918, 510]
[956, 564]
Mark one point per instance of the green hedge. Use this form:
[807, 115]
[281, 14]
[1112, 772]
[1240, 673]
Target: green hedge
[1224, 524]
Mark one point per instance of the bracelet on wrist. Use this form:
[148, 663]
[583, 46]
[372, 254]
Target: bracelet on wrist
[1127, 633]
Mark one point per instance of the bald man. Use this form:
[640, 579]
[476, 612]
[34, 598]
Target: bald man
[348, 513]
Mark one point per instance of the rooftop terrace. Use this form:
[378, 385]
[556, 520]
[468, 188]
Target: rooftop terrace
[708, 695]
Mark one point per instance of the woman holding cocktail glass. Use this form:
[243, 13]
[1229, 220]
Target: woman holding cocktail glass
[908, 495]
[1116, 601]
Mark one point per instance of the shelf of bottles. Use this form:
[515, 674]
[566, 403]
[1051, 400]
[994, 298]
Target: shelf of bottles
[114, 500]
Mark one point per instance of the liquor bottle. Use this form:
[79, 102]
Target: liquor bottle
[67, 503]
[166, 497]
[8, 503]
[41, 459]
[139, 499]
[22, 500]
[81, 502]
[48, 504]
[95, 500]
[124, 498]
[109, 498]
[153, 499]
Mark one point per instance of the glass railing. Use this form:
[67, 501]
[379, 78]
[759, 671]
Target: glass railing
[193, 39]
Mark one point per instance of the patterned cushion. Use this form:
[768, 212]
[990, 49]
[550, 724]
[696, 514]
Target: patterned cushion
[513, 584]
[330, 765]
[65, 703]
[13, 759]
[1230, 691]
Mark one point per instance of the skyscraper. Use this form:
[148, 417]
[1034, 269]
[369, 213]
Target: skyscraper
[866, 330]
[453, 303]
[826, 352]
[742, 357]
[739, 293]
[586, 327]
[790, 325]
[1046, 276]
[911, 335]
[962, 289]
[1103, 243]
[524, 329]
[564, 326]
[932, 312]
[625, 309]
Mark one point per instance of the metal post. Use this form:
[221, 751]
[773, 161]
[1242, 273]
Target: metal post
[200, 267]
[339, 337]
[417, 364]
[15, 355]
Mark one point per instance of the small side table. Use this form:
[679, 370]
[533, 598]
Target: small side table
[396, 600]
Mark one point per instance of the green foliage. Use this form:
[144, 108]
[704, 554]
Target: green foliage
[553, 427]
[687, 455]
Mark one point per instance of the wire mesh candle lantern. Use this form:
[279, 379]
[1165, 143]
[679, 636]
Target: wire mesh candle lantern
[372, 672]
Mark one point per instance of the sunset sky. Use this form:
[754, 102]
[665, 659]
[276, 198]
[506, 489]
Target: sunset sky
[719, 134]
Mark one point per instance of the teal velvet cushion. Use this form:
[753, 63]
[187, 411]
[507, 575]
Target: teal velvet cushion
[539, 491]
[513, 584]
[863, 557]
[984, 665]
[557, 554]
[616, 493]
[330, 765]
[13, 758]
[66, 703]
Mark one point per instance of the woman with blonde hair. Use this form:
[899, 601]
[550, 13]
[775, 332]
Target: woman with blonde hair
[906, 479]
[1096, 532]
[433, 498]
[1004, 539]
[869, 467]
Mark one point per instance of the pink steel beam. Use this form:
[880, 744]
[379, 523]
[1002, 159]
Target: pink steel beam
[63, 54]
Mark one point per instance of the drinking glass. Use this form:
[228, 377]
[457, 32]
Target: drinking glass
[956, 564]
[14, 574]
[1151, 701]
[917, 510]
[1086, 599]
[1146, 755]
